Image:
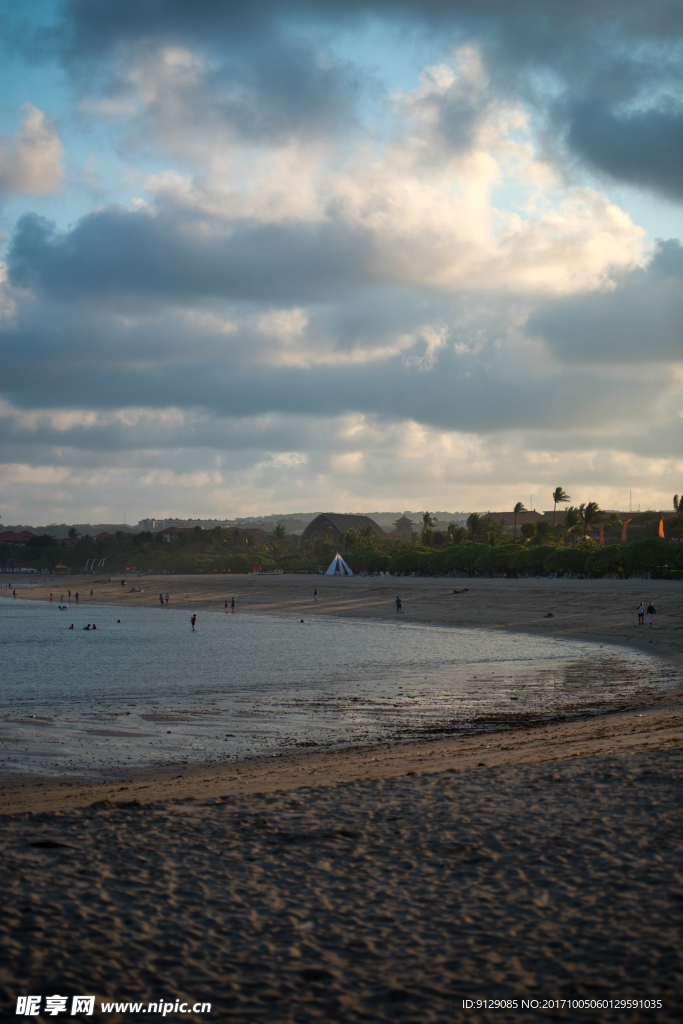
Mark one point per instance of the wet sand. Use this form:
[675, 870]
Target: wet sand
[377, 884]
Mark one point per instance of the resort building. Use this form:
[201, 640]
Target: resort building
[339, 523]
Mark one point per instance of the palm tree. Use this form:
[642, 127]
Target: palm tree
[473, 524]
[73, 534]
[542, 531]
[427, 521]
[517, 511]
[590, 513]
[572, 521]
[279, 532]
[559, 498]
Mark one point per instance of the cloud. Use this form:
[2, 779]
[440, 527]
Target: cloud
[638, 320]
[31, 161]
[415, 212]
[605, 79]
[643, 148]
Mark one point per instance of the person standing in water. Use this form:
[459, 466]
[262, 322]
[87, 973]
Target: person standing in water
[650, 612]
[193, 620]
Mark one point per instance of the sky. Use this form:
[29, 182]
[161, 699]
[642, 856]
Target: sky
[341, 255]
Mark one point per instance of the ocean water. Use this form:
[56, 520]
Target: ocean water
[148, 691]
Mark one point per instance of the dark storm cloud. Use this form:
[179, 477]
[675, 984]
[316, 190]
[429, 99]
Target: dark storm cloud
[640, 320]
[644, 149]
[119, 252]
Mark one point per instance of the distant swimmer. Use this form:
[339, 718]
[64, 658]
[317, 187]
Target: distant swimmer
[94, 626]
[87, 627]
[71, 626]
[193, 620]
[118, 620]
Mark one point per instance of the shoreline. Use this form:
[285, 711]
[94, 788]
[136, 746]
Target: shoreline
[653, 724]
[581, 613]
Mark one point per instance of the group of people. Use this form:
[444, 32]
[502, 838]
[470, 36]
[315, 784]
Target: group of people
[164, 599]
[641, 610]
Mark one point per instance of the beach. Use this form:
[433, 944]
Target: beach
[601, 610]
[387, 882]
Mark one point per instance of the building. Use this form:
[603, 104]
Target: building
[339, 523]
[173, 532]
[19, 539]
[403, 528]
[508, 518]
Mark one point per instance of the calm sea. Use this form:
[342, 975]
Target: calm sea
[147, 691]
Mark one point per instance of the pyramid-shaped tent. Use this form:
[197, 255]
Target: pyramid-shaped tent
[338, 567]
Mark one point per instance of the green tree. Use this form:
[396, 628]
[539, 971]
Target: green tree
[518, 510]
[590, 514]
[279, 532]
[560, 496]
[473, 521]
[541, 532]
[528, 530]
[427, 521]
[73, 534]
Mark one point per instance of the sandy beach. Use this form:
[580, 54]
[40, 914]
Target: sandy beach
[373, 884]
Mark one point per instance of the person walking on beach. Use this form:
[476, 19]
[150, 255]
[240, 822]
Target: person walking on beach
[399, 608]
[91, 593]
[77, 597]
[50, 598]
[651, 611]
[167, 598]
[193, 620]
[232, 605]
[315, 594]
[14, 594]
[69, 593]
[641, 614]
[161, 599]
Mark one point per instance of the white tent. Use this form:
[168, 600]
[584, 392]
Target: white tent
[338, 567]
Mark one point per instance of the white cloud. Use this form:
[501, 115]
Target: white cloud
[31, 161]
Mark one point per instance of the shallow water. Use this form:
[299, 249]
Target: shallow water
[148, 691]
